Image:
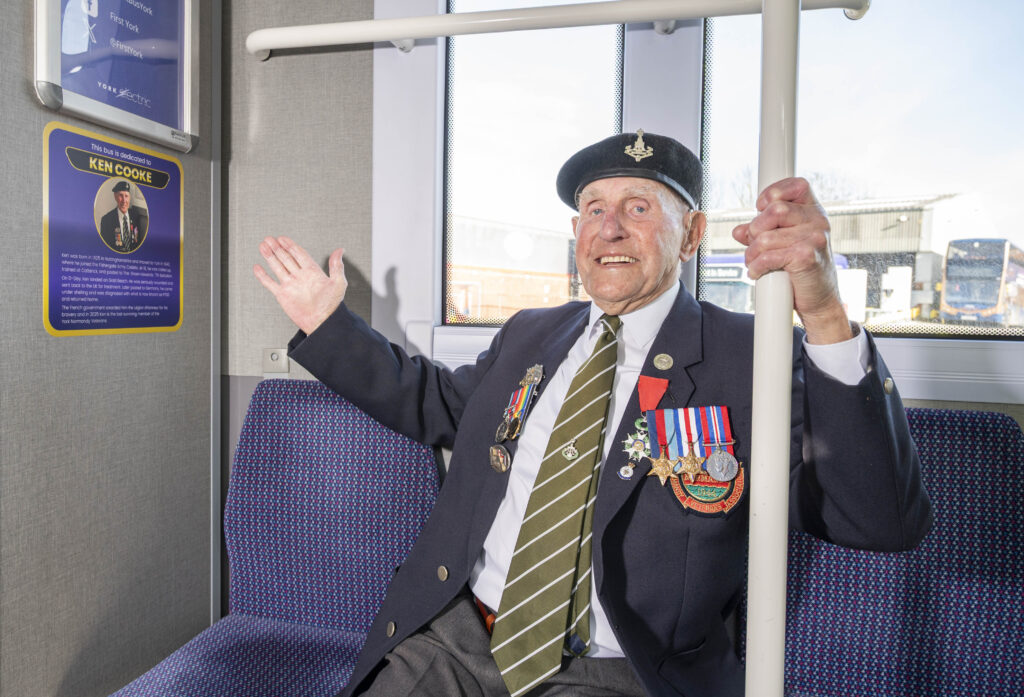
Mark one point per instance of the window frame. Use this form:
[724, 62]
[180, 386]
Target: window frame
[407, 299]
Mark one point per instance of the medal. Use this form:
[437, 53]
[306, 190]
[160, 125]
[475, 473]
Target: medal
[714, 481]
[722, 466]
[519, 404]
[662, 469]
[691, 462]
[662, 466]
[533, 375]
[637, 446]
[626, 471]
[500, 459]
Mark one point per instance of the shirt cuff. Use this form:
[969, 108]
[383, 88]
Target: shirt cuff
[846, 361]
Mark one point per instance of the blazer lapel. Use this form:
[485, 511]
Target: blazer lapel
[680, 339]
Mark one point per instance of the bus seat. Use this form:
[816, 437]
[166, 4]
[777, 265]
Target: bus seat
[323, 504]
[943, 619]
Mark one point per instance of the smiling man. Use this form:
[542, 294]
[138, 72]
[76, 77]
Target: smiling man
[590, 536]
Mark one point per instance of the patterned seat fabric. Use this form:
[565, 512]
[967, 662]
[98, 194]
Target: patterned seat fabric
[323, 504]
[943, 619]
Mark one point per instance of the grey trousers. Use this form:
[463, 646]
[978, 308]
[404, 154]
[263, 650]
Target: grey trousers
[451, 657]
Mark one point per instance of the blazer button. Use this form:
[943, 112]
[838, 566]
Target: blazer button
[442, 572]
[888, 385]
[390, 629]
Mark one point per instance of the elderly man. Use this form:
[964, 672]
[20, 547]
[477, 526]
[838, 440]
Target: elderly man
[124, 228]
[596, 496]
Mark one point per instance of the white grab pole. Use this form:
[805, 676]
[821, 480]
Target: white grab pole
[773, 376]
[405, 29]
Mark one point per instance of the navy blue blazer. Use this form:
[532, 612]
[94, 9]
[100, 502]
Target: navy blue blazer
[667, 577]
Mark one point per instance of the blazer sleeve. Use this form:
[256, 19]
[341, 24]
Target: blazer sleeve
[856, 480]
[409, 394]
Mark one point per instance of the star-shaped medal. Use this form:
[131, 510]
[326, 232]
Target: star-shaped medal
[690, 465]
[661, 468]
[636, 446]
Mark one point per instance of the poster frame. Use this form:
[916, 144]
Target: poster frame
[50, 91]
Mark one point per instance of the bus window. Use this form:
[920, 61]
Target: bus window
[902, 176]
[518, 107]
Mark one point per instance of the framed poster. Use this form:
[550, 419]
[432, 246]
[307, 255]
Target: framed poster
[112, 236]
[126, 64]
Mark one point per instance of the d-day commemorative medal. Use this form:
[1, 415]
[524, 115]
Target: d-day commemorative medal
[500, 459]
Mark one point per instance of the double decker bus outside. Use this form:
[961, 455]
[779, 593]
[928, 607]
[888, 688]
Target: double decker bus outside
[983, 283]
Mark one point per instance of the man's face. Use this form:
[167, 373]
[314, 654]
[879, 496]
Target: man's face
[630, 238]
[124, 200]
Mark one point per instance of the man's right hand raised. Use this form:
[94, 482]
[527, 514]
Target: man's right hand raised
[306, 294]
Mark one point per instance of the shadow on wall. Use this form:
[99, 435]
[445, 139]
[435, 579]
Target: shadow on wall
[360, 297]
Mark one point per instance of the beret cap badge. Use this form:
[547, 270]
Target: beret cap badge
[639, 150]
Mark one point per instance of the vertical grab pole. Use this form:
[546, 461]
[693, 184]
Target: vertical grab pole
[773, 346]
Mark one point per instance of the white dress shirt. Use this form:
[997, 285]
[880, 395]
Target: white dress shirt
[639, 329]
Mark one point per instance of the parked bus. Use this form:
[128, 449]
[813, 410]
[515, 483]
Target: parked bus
[983, 282]
[725, 281]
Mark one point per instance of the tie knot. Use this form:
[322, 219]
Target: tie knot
[611, 323]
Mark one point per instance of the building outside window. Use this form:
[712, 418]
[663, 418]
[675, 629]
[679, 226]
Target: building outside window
[519, 104]
[907, 129]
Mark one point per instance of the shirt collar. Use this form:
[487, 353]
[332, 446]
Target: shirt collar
[640, 326]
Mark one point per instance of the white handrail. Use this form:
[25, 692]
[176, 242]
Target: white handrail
[773, 371]
[406, 29]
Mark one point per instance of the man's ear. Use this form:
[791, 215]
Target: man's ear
[695, 224]
[575, 222]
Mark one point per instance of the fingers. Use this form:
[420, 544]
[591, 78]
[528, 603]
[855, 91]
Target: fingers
[283, 256]
[794, 189]
[335, 264]
[263, 277]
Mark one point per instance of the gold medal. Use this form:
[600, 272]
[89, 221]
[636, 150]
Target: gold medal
[661, 468]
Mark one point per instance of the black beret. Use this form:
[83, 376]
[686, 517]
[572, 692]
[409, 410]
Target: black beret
[639, 154]
[122, 186]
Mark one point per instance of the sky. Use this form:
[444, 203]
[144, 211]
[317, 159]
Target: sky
[918, 98]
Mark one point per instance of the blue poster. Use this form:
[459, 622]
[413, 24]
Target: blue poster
[129, 54]
[112, 235]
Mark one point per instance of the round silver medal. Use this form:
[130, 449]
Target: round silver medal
[722, 466]
[502, 432]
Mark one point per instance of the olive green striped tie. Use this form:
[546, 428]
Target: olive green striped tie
[545, 606]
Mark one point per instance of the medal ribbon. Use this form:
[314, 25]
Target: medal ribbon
[657, 422]
[723, 431]
[650, 390]
[519, 401]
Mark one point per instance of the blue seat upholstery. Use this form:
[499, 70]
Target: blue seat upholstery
[323, 504]
[944, 619]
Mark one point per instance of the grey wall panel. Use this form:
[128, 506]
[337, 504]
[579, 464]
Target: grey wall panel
[298, 148]
[104, 476]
